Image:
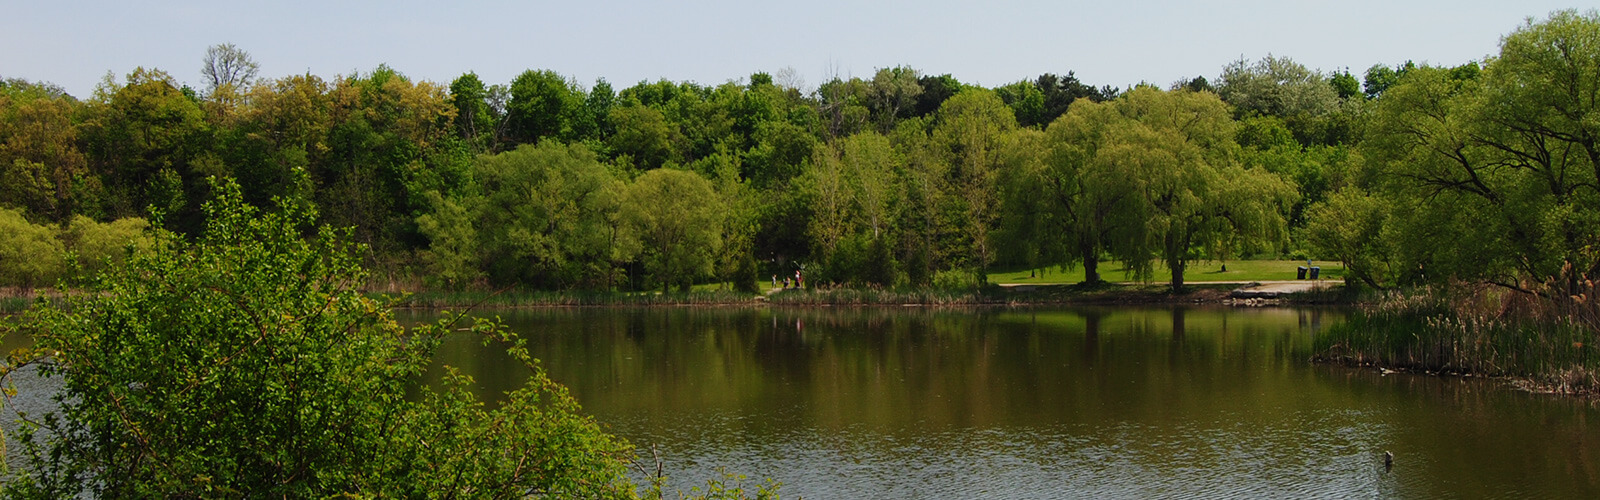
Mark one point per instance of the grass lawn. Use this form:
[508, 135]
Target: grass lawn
[1198, 272]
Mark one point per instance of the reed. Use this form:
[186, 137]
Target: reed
[12, 305]
[1544, 335]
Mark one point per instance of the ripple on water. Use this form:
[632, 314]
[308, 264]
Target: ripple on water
[1209, 459]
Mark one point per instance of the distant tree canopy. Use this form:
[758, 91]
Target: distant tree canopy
[893, 179]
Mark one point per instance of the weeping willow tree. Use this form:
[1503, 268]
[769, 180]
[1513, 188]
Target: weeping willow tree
[1152, 177]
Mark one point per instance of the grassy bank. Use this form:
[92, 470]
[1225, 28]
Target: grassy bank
[996, 295]
[1237, 271]
[1549, 344]
[525, 298]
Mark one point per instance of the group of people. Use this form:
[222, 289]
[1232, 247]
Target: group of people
[798, 281]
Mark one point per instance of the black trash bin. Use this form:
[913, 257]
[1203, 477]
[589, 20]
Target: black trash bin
[1315, 270]
[1300, 273]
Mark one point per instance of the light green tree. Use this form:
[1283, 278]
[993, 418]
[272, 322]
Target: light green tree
[869, 162]
[546, 217]
[852, 188]
[677, 217]
[1493, 172]
[99, 246]
[827, 193]
[1085, 198]
[30, 255]
[1349, 227]
[1200, 202]
[971, 134]
[1281, 87]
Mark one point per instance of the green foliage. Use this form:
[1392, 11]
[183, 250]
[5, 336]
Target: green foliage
[892, 94]
[1345, 85]
[1076, 202]
[543, 104]
[1349, 228]
[42, 172]
[1379, 78]
[30, 255]
[452, 256]
[955, 279]
[99, 246]
[1152, 175]
[1039, 102]
[935, 90]
[1275, 86]
[972, 135]
[1491, 173]
[475, 121]
[644, 135]
[678, 219]
[145, 140]
[244, 363]
[1278, 86]
[549, 217]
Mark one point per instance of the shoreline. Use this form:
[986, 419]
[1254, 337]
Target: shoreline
[1218, 293]
[1521, 383]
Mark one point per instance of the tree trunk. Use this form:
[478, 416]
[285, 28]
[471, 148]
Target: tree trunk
[1177, 266]
[1091, 266]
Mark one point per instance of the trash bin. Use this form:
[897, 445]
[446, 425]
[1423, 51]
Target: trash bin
[1300, 273]
[1315, 270]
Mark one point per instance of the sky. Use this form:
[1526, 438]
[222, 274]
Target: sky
[1105, 42]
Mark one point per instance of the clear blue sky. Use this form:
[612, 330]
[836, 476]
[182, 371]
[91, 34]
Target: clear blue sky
[1107, 42]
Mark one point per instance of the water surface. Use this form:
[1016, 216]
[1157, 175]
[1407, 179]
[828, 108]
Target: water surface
[1042, 403]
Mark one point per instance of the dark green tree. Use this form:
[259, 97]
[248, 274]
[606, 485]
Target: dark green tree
[474, 119]
[543, 104]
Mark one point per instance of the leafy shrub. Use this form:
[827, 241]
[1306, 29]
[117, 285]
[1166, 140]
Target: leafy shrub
[98, 245]
[955, 279]
[244, 364]
[30, 255]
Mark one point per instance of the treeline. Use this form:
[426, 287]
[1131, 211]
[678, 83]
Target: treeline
[1409, 174]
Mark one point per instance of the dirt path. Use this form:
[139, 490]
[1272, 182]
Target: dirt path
[1274, 289]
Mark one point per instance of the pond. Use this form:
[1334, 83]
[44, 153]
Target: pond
[1042, 403]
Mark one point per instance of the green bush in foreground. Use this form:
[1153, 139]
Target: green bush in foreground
[244, 364]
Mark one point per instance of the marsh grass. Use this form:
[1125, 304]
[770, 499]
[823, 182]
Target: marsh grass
[9, 305]
[1538, 335]
[16, 299]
